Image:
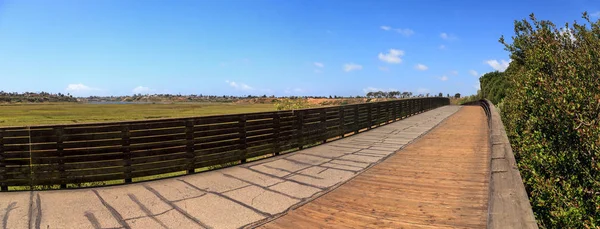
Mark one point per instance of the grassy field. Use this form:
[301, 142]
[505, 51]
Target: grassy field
[69, 113]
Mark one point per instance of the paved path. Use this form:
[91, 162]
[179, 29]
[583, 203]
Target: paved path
[240, 196]
[439, 181]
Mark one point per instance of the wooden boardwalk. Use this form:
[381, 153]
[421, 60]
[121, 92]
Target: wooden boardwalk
[439, 181]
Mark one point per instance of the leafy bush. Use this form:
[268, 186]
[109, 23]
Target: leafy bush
[493, 86]
[552, 113]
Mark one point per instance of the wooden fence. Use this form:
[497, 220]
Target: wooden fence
[81, 153]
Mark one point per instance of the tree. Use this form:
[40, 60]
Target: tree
[457, 95]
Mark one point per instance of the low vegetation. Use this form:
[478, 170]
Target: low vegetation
[69, 113]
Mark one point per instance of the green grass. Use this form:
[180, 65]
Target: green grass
[70, 113]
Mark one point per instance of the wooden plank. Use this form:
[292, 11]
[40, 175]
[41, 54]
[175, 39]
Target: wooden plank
[75, 159]
[199, 153]
[156, 125]
[11, 133]
[243, 132]
[78, 180]
[126, 147]
[259, 133]
[168, 157]
[276, 132]
[218, 138]
[158, 152]
[77, 145]
[189, 147]
[155, 139]
[161, 164]
[208, 145]
[3, 184]
[168, 131]
[217, 132]
[16, 140]
[213, 127]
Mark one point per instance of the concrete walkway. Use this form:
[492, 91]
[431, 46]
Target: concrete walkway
[240, 196]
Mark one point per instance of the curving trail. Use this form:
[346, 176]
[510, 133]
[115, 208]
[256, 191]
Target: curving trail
[439, 181]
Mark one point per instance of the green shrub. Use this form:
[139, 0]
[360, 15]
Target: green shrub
[552, 113]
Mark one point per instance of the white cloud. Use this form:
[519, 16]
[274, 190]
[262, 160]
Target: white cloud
[422, 90]
[498, 66]
[392, 57]
[239, 86]
[473, 73]
[454, 72]
[372, 89]
[319, 65]
[384, 69]
[141, 90]
[442, 47]
[447, 36]
[79, 88]
[421, 67]
[597, 14]
[406, 32]
[443, 78]
[352, 67]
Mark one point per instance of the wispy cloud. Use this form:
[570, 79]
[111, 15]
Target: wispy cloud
[498, 65]
[442, 47]
[318, 71]
[80, 88]
[319, 65]
[141, 90]
[352, 67]
[239, 86]
[473, 73]
[421, 67]
[405, 32]
[443, 78]
[454, 72]
[384, 69]
[392, 57]
[448, 37]
[596, 15]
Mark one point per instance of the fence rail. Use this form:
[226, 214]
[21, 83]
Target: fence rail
[80, 153]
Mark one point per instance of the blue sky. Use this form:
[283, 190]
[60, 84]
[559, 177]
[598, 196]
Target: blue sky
[279, 47]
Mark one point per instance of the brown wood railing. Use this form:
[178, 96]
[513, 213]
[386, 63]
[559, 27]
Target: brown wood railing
[60, 155]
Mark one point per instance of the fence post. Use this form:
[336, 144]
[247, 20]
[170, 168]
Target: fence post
[300, 129]
[323, 123]
[356, 119]
[342, 126]
[58, 132]
[189, 137]
[243, 143]
[276, 131]
[395, 111]
[125, 136]
[3, 185]
[370, 116]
